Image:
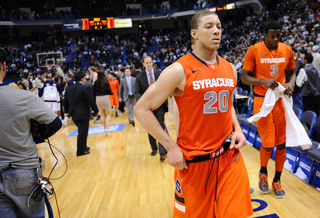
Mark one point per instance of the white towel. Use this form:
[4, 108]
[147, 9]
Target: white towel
[295, 133]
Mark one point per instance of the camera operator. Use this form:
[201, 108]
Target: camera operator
[19, 158]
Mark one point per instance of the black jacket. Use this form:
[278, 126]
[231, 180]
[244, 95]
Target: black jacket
[78, 100]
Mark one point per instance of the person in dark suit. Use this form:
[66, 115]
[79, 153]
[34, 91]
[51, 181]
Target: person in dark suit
[78, 100]
[143, 81]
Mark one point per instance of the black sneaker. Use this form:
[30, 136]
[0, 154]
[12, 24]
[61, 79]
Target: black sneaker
[98, 119]
[278, 191]
[263, 183]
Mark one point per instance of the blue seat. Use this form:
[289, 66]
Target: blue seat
[305, 168]
[309, 118]
[298, 112]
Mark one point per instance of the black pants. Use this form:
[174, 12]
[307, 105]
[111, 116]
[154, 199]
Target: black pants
[311, 103]
[159, 114]
[121, 106]
[61, 108]
[83, 128]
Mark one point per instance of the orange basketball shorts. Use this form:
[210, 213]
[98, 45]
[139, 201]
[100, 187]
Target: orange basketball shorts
[114, 99]
[195, 189]
[272, 128]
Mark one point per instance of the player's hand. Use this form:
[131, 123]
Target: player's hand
[270, 83]
[120, 100]
[289, 89]
[176, 158]
[238, 140]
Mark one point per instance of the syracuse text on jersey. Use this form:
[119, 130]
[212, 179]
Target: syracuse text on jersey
[214, 82]
[272, 60]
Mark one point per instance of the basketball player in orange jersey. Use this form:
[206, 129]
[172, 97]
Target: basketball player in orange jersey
[211, 180]
[268, 61]
[114, 99]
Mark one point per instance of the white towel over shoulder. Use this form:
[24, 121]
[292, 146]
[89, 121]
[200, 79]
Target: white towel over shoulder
[295, 133]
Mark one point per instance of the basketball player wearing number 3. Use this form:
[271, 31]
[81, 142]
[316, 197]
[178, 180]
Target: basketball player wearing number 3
[268, 61]
[211, 180]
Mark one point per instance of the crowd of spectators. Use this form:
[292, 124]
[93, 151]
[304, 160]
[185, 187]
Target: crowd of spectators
[300, 20]
[66, 9]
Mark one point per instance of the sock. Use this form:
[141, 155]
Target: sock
[280, 158]
[277, 177]
[263, 170]
[264, 158]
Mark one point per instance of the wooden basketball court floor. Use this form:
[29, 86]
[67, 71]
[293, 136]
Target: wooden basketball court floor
[120, 179]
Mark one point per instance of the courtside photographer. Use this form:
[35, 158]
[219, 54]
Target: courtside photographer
[19, 158]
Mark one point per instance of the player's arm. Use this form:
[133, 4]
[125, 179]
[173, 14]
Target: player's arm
[171, 79]
[291, 83]
[246, 78]
[238, 140]
[291, 75]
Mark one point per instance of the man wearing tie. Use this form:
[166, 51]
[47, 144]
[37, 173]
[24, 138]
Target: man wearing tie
[126, 93]
[143, 81]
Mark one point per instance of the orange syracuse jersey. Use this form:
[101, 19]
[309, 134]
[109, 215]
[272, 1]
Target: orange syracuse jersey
[269, 64]
[205, 105]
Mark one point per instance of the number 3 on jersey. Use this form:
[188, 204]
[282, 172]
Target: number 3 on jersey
[274, 69]
[212, 96]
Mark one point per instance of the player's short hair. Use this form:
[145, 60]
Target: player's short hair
[196, 18]
[308, 57]
[272, 25]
